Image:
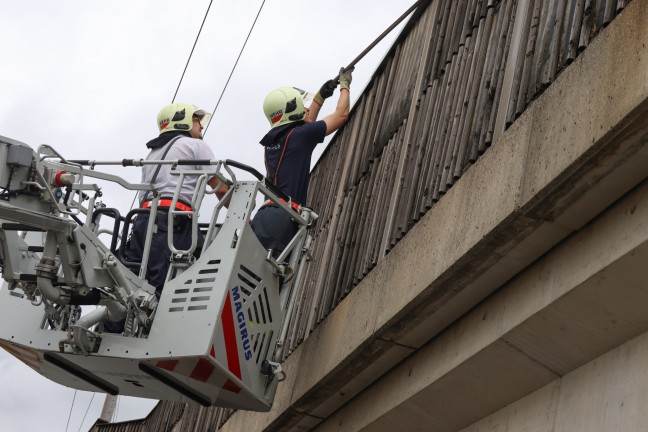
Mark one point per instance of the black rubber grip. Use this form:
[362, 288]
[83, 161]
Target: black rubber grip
[259, 176]
[276, 190]
[80, 161]
[194, 162]
[244, 167]
[81, 373]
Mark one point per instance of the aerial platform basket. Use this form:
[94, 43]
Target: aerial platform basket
[213, 338]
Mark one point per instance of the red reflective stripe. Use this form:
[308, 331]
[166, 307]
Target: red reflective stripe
[169, 365]
[276, 176]
[212, 352]
[229, 385]
[202, 371]
[167, 203]
[57, 178]
[293, 204]
[296, 206]
[231, 347]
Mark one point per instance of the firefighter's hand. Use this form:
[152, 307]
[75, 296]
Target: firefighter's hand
[345, 78]
[326, 91]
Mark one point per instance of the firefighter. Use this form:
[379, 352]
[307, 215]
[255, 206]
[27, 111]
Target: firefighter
[180, 126]
[294, 133]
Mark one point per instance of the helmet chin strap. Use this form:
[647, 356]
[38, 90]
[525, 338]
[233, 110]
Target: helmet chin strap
[297, 117]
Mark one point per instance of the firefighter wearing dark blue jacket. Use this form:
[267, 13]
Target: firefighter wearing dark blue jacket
[289, 145]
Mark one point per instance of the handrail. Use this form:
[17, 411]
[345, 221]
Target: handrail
[260, 177]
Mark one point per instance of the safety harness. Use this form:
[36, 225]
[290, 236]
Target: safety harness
[165, 202]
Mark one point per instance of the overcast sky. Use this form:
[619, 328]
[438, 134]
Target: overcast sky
[89, 78]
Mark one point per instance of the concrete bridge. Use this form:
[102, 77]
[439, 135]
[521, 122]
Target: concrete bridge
[517, 300]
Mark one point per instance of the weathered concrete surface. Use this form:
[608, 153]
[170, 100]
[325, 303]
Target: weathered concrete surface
[534, 413]
[607, 394]
[585, 297]
[569, 156]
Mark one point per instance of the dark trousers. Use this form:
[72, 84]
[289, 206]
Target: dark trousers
[274, 228]
[160, 254]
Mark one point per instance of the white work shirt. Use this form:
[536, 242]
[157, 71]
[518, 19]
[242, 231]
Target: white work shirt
[182, 148]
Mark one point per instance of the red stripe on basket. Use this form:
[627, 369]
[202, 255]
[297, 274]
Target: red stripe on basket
[169, 365]
[229, 385]
[231, 346]
[203, 370]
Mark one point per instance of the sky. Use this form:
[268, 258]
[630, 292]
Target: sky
[89, 78]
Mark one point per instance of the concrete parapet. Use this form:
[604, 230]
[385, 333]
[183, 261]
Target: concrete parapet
[584, 298]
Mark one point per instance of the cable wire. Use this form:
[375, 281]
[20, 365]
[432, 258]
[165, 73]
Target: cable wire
[235, 64]
[70, 415]
[133, 202]
[192, 50]
[86, 413]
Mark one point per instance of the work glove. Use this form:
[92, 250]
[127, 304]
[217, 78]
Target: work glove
[326, 91]
[345, 78]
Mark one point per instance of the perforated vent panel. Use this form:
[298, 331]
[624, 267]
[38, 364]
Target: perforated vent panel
[259, 313]
[196, 292]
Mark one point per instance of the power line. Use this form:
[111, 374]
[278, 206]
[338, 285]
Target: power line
[235, 64]
[192, 50]
[70, 415]
[86, 413]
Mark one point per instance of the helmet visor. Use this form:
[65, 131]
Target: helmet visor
[204, 117]
[306, 96]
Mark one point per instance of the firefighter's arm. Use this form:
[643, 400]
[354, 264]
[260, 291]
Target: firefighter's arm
[215, 182]
[336, 120]
[325, 92]
[313, 111]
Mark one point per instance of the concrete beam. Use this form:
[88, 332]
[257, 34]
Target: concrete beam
[581, 300]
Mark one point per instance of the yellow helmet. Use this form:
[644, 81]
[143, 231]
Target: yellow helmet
[179, 117]
[284, 105]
